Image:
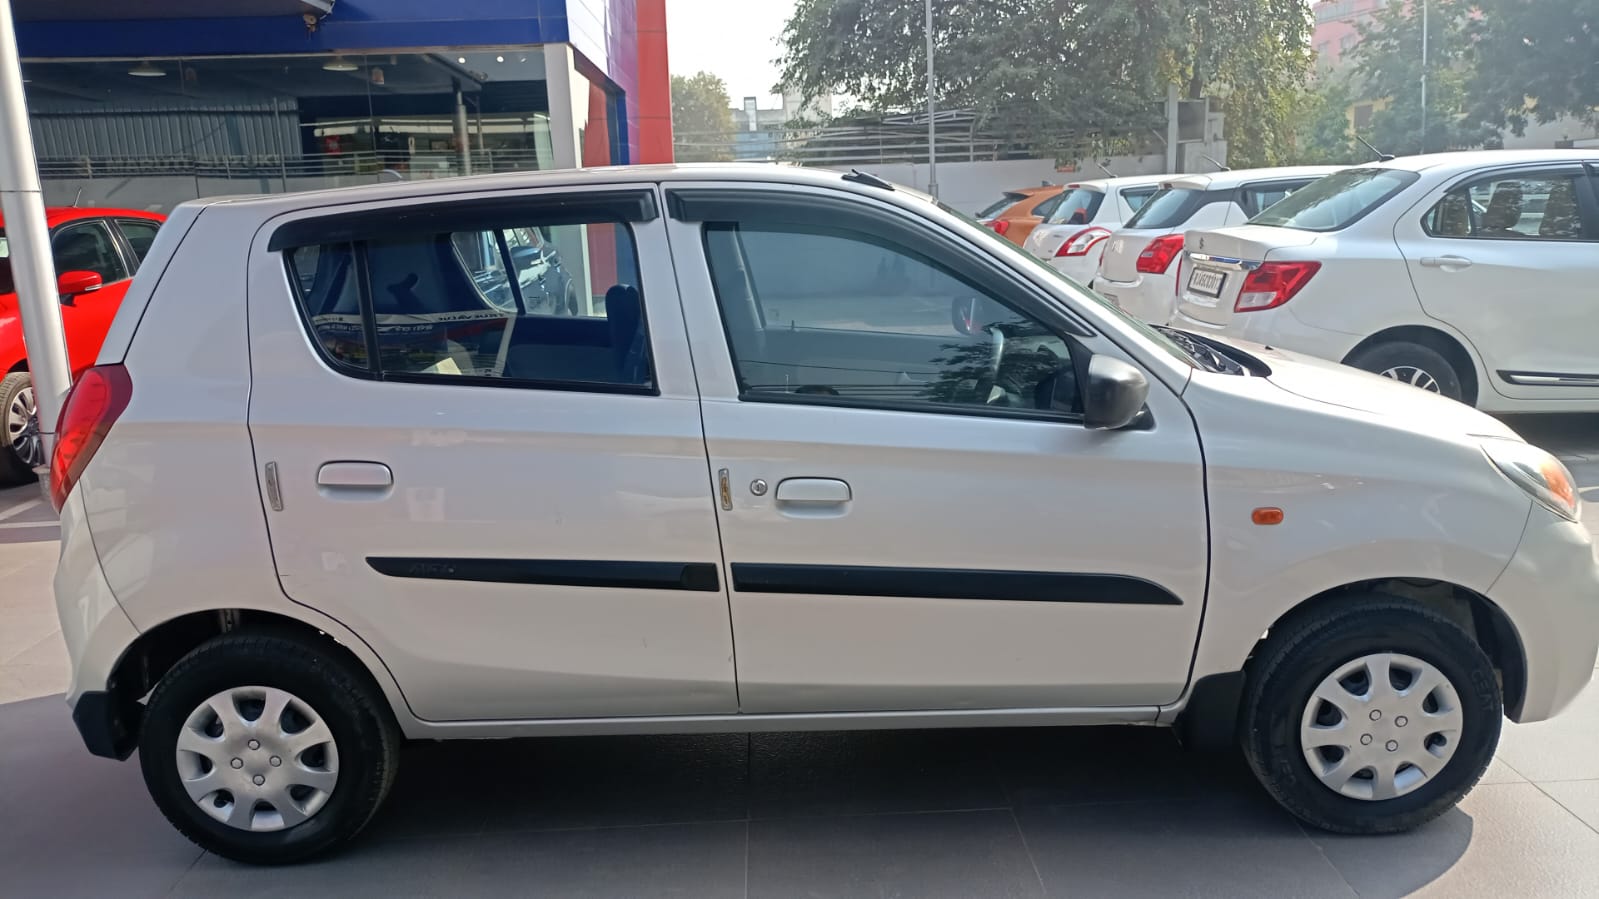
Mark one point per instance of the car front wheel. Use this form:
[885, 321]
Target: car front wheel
[1371, 715]
[267, 749]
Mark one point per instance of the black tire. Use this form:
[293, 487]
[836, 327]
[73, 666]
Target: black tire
[354, 709]
[569, 299]
[1304, 651]
[13, 470]
[1401, 355]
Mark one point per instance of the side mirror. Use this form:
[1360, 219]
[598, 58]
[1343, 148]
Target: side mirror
[70, 284]
[1113, 393]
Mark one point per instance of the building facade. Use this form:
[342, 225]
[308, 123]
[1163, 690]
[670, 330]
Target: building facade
[147, 104]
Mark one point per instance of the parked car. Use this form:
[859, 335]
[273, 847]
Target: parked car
[926, 484]
[96, 252]
[1138, 270]
[1073, 236]
[1466, 274]
[1018, 212]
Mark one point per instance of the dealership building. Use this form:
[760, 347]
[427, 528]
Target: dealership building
[148, 104]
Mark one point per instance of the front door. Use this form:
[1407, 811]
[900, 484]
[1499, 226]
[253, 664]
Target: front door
[905, 527]
[507, 501]
[89, 246]
[1508, 259]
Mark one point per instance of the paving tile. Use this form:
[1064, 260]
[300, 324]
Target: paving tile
[867, 772]
[1562, 748]
[23, 682]
[607, 781]
[1231, 848]
[694, 861]
[73, 824]
[1055, 766]
[1503, 840]
[21, 628]
[917, 856]
[1579, 797]
[1500, 773]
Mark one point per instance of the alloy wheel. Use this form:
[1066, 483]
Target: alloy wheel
[22, 428]
[1415, 377]
[1381, 726]
[257, 759]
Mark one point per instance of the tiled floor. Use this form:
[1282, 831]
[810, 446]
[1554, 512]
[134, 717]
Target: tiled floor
[1083, 812]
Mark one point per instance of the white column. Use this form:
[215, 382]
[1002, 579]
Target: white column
[32, 269]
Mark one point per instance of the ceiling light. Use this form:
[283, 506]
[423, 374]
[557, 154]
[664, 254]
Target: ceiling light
[461, 60]
[146, 70]
[339, 64]
[499, 59]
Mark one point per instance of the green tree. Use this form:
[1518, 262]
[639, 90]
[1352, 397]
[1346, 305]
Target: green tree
[1048, 70]
[1322, 132]
[702, 119]
[1535, 61]
[1388, 68]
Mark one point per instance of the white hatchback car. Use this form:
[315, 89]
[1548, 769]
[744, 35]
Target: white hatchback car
[1074, 235]
[815, 453]
[1467, 274]
[1140, 267]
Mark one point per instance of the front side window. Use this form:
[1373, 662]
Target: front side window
[1336, 201]
[836, 315]
[529, 305]
[1523, 206]
[1078, 206]
[88, 247]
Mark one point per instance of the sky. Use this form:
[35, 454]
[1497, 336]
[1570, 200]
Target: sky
[734, 39]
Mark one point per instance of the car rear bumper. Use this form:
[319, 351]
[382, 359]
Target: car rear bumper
[95, 629]
[1078, 268]
[1150, 298]
[1550, 592]
[1278, 328]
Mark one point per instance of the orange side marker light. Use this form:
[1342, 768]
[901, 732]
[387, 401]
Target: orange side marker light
[1267, 515]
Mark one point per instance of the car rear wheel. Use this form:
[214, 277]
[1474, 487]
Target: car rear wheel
[1413, 364]
[1371, 715]
[266, 749]
[21, 447]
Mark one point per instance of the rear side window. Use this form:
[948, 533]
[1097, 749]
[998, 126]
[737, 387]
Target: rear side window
[1257, 198]
[526, 305]
[1168, 208]
[1078, 206]
[1336, 201]
[1520, 206]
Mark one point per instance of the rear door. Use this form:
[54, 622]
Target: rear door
[510, 506]
[90, 246]
[905, 527]
[1510, 259]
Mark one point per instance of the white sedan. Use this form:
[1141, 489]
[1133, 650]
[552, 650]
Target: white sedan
[1466, 274]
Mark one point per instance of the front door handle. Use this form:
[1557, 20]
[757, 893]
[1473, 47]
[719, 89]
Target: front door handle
[1446, 262]
[813, 491]
[357, 475]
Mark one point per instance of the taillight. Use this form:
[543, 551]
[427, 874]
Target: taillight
[1159, 254]
[1000, 226]
[91, 408]
[1274, 284]
[1080, 243]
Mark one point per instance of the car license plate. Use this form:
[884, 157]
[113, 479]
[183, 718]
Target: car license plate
[1207, 282]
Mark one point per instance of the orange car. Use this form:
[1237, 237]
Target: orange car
[1015, 215]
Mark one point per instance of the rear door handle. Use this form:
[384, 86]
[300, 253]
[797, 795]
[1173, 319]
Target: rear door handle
[813, 491]
[1446, 262]
[355, 475]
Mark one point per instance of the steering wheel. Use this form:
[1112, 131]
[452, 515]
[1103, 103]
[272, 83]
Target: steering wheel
[984, 388]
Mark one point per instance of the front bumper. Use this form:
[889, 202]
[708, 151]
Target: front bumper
[1550, 593]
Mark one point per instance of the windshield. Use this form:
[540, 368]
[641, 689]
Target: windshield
[1078, 206]
[999, 205]
[1168, 208]
[1336, 201]
[1017, 254]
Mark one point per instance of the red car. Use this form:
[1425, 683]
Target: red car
[96, 253]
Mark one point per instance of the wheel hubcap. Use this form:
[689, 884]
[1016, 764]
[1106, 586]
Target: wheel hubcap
[1415, 377]
[1380, 726]
[22, 428]
[257, 758]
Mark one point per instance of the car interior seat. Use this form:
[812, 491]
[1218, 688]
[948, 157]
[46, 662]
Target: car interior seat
[1560, 219]
[1504, 211]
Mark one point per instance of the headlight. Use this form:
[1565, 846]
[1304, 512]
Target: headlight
[1538, 473]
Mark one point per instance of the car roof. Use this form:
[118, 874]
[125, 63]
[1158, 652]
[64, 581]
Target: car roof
[55, 215]
[1104, 184]
[1240, 177]
[1035, 190]
[1466, 160]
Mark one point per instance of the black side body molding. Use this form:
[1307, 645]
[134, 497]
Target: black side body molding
[950, 583]
[699, 576]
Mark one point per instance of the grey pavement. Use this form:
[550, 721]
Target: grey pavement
[1024, 812]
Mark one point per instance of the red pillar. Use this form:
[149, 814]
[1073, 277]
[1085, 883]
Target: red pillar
[654, 84]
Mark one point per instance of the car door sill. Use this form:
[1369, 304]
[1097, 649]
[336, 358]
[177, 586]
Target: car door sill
[417, 729]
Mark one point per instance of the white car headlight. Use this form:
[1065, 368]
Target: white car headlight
[1538, 473]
